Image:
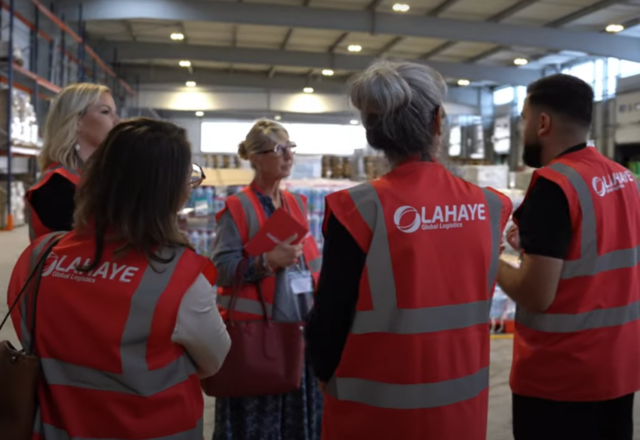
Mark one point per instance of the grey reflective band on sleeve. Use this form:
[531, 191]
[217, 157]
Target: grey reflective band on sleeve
[244, 305]
[409, 396]
[136, 377]
[387, 317]
[315, 265]
[53, 433]
[250, 213]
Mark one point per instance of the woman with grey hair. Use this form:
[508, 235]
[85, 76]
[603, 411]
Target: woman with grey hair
[284, 278]
[397, 336]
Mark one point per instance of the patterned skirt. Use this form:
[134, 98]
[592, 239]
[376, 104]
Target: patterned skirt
[293, 416]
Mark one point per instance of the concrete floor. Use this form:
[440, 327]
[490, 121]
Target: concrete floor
[13, 243]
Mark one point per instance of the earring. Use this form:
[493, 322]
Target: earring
[77, 147]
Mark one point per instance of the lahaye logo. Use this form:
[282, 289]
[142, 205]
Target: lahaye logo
[612, 183]
[58, 267]
[409, 219]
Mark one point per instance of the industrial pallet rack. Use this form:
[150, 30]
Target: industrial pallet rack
[62, 67]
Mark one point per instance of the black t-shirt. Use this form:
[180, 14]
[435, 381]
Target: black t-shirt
[54, 203]
[544, 218]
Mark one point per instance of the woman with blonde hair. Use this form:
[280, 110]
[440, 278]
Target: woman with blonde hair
[79, 120]
[283, 278]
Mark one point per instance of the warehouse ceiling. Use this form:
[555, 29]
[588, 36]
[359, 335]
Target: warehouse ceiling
[292, 43]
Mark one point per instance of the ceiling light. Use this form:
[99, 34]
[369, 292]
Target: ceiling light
[190, 83]
[521, 61]
[354, 48]
[354, 122]
[277, 117]
[185, 63]
[463, 82]
[308, 90]
[328, 72]
[177, 36]
[401, 7]
[199, 114]
[614, 28]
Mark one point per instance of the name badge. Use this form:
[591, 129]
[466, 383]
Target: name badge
[301, 282]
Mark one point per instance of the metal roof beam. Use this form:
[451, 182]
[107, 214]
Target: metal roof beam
[312, 60]
[364, 21]
[574, 16]
[294, 83]
[442, 7]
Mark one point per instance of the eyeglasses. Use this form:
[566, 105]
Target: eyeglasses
[279, 149]
[197, 176]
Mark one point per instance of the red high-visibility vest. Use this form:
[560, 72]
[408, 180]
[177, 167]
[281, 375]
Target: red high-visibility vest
[109, 367]
[36, 228]
[249, 216]
[416, 361]
[586, 346]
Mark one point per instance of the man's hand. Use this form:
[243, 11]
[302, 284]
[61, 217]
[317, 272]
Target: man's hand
[533, 285]
[513, 237]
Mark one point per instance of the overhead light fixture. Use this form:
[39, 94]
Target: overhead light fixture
[308, 90]
[354, 122]
[199, 114]
[190, 83]
[463, 82]
[177, 36]
[401, 7]
[354, 48]
[185, 63]
[614, 28]
[521, 61]
[328, 72]
[277, 117]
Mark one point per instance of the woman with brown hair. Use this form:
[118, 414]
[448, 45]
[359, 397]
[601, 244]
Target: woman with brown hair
[126, 322]
[79, 120]
[284, 278]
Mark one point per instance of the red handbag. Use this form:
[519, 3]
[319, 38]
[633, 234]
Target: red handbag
[266, 357]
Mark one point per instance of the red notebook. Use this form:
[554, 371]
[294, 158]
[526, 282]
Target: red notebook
[280, 226]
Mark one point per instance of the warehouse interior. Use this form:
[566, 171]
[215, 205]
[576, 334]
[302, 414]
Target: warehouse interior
[215, 66]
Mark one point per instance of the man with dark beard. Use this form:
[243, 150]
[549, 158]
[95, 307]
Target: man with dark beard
[576, 363]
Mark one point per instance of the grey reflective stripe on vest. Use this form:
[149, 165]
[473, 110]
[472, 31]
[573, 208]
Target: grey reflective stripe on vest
[136, 377]
[414, 396]
[250, 214]
[27, 296]
[53, 433]
[244, 305]
[315, 265]
[387, 317]
[565, 323]
[590, 262]
[300, 204]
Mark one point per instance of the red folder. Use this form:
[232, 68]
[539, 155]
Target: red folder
[280, 226]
